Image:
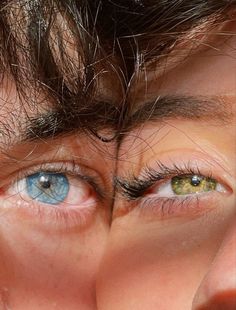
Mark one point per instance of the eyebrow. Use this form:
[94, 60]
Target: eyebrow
[214, 110]
[62, 121]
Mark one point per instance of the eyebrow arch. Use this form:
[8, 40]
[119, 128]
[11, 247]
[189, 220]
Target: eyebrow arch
[63, 121]
[50, 125]
[201, 108]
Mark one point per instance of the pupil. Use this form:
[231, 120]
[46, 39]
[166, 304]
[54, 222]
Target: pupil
[195, 180]
[44, 182]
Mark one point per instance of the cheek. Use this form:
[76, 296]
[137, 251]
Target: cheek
[140, 277]
[150, 268]
[44, 268]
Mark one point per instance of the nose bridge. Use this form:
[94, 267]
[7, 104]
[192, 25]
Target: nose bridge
[218, 288]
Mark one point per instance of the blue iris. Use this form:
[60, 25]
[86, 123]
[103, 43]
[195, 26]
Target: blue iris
[47, 187]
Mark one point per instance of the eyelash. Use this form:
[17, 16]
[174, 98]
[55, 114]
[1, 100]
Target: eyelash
[138, 190]
[58, 215]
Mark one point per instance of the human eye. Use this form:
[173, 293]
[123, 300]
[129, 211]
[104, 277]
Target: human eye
[55, 193]
[189, 184]
[173, 190]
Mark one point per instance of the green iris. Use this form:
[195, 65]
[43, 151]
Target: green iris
[192, 184]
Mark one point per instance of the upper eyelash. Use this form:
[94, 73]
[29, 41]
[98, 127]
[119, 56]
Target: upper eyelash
[135, 187]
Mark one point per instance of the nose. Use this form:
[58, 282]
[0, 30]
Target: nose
[218, 289]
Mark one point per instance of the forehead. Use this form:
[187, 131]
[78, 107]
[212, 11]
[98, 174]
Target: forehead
[206, 71]
[20, 103]
[205, 65]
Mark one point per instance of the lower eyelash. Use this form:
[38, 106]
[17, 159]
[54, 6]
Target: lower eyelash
[76, 217]
[56, 217]
[164, 207]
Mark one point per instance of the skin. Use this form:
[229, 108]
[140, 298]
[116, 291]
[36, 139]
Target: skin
[49, 254]
[182, 257]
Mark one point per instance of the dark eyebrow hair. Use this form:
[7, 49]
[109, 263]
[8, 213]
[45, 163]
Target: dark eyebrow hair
[214, 110]
[62, 121]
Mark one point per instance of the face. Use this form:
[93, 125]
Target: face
[172, 243]
[55, 208]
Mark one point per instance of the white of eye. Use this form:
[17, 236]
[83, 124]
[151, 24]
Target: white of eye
[165, 190]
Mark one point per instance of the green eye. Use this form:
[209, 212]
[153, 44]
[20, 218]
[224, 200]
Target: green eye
[192, 184]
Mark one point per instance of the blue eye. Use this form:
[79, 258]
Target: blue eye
[47, 187]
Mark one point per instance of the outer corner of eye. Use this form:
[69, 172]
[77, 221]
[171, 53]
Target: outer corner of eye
[226, 185]
[225, 188]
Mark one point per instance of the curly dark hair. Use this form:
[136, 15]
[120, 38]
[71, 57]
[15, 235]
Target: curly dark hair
[55, 46]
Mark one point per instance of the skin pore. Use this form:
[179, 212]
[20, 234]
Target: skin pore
[169, 250]
[51, 244]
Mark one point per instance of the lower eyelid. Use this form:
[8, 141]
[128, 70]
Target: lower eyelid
[155, 207]
[49, 216]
